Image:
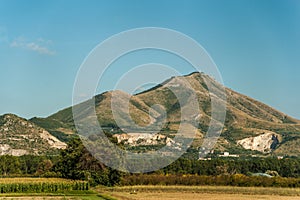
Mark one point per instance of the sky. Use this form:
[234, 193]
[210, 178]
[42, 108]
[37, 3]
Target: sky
[254, 43]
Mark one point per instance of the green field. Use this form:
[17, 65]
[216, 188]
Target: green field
[45, 188]
[52, 197]
[41, 185]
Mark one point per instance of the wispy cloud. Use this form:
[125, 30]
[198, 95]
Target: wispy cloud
[40, 45]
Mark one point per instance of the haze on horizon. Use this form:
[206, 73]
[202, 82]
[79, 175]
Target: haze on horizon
[255, 44]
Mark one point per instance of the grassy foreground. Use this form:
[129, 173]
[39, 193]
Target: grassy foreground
[200, 192]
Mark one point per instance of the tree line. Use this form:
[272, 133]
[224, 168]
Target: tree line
[26, 165]
[220, 180]
[287, 167]
[76, 163]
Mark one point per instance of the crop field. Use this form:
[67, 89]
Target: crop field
[40, 185]
[53, 188]
[44, 197]
[201, 192]
[45, 188]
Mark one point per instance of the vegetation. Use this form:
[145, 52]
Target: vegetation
[220, 180]
[38, 185]
[287, 167]
[80, 170]
[76, 162]
[27, 165]
[75, 169]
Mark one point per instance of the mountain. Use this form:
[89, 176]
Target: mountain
[19, 136]
[251, 127]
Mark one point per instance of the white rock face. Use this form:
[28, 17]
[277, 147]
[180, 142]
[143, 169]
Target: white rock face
[53, 141]
[5, 149]
[145, 139]
[136, 139]
[262, 143]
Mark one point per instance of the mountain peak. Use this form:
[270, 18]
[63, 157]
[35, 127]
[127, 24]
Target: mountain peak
[246, 120]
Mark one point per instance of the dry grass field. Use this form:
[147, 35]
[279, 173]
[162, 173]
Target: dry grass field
[201, 192]
[194, 196]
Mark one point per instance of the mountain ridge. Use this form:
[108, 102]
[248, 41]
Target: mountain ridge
[247, 120]
[246, 117]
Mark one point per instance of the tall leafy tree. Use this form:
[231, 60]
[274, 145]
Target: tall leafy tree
[9, 165]
[76, 162]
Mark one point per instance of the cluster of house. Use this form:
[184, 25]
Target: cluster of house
[225, 154]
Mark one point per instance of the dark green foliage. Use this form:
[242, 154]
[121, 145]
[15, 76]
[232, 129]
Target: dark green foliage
[288, 167]
[9, 165]
[62, 136]
[234, 134]
[228, 180]
[64, 116]
[27, 165]
[46, 123]
[77, 163]
[53, 125]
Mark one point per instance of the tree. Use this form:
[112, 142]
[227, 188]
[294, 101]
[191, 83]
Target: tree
[29, 163]
[76, 162]
[44, 167]
[9, 165]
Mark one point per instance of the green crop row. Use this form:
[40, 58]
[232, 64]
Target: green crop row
[42, 187]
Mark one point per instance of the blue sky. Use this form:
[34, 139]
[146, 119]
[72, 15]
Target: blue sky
[255, 44]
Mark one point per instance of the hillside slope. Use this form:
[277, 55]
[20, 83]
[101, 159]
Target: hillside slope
[19, 136]
[249, 126]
